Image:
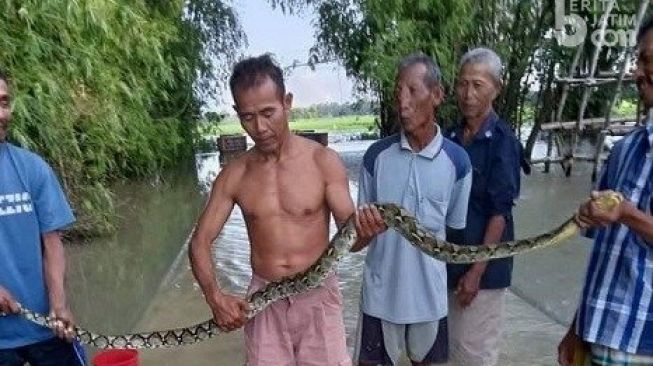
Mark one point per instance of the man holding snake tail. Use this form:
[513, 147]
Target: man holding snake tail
[33, 209]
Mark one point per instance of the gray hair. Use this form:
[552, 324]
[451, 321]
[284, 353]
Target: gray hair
[484, 56]
[432, 77]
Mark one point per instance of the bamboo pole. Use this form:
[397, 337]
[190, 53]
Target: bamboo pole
[561, 107]
[565, 93]
[628, 51]
[587, 81]
[591, 122]
[588, 89]
[565, 87]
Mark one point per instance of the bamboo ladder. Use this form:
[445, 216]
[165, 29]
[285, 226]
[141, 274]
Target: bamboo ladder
[566, 155]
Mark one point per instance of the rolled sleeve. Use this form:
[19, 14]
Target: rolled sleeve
[502, 181]
[52, 208]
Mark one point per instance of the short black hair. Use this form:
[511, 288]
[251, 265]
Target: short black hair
[645, 27]
[252, 71]
[4, 76]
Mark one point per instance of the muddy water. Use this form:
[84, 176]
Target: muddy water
[111, 280]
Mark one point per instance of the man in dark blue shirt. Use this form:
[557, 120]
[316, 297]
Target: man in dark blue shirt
[476, 292]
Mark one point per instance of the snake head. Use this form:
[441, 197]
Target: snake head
[609, 200]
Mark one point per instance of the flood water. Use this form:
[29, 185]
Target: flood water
[112, 280]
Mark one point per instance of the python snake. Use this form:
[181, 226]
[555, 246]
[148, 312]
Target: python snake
[394, 216]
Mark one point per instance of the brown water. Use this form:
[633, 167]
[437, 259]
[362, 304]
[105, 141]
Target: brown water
[111, 281]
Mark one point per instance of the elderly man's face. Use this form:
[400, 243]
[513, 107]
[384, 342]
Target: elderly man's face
[416, 101]
[476, 89]
[644, 71]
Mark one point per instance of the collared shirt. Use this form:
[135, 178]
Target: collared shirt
[401, 284]
[31, 203]
[495, 154]
[616, 308]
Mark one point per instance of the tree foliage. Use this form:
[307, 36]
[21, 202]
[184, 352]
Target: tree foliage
[107, 89]
[370, 36]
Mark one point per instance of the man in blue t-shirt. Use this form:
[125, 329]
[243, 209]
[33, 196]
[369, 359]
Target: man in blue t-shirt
[33, 209]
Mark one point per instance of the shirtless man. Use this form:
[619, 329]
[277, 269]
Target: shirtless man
[286, 187]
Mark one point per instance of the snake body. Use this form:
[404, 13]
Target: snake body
[394, 216]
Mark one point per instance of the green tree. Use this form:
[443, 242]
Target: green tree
[107, 89]
[371, 36]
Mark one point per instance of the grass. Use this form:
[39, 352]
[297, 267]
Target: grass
[324, 124]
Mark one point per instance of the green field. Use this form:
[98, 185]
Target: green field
[331, 124]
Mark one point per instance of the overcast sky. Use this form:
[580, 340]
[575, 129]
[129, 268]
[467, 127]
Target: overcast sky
[289, 38]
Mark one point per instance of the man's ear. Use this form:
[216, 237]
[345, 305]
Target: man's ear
[498, 85]
[437, 95]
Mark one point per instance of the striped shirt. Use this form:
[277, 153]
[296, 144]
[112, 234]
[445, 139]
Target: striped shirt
[616, 308]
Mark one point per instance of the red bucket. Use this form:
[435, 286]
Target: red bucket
[116, 357]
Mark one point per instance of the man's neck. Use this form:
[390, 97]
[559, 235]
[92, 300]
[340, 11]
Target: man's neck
[419, 139]
[282, 151]
[474, 124]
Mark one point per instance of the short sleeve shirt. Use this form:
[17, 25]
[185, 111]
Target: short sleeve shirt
[616, 306]
[400, 283]
[31, 203]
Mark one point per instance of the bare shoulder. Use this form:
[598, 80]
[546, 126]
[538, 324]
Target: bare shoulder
[328, 160]
[231, 173]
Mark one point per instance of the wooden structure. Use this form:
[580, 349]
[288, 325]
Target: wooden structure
[607, 126]
[231, 147]
[321, 137]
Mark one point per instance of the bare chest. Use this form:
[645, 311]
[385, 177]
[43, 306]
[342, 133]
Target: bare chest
[286, 190]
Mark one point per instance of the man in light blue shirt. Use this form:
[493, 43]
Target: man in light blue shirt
[33, 209]
[404, 292]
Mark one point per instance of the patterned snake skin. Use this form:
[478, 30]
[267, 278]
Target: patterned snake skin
[394, 216]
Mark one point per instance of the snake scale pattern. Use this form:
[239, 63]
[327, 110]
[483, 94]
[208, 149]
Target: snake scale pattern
[394, 216]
